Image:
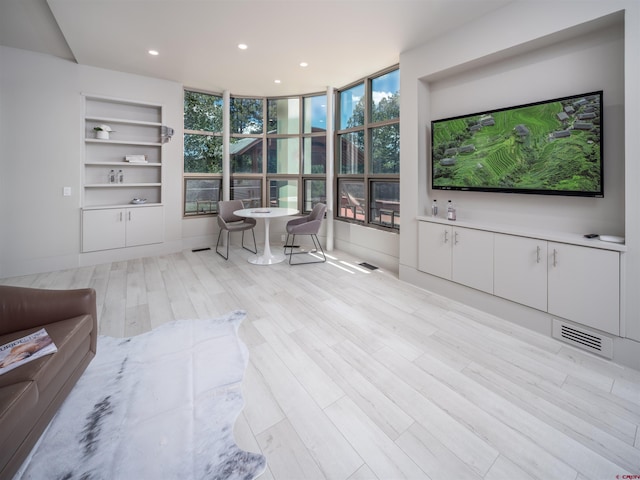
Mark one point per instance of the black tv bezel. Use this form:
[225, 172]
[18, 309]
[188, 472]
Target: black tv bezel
[528, 191]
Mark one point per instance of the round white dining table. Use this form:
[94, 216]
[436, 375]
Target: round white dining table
[267, 257]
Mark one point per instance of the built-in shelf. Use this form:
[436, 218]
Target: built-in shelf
[122, 185]
[122, 142]
[120, 164]
[124, 205]
[136, 130]
[108, 120]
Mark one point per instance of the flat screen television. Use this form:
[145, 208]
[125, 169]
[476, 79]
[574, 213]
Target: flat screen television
[552, 147]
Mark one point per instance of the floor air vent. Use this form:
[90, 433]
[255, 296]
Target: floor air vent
[584, 339]
[368, 265]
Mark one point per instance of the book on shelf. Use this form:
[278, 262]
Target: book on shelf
[136, 158]
[26, 349]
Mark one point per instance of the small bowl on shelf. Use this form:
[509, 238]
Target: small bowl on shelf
[139, 201]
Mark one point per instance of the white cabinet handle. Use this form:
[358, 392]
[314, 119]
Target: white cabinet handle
[120, 216]
[129, 216]
[555, 255]
[455, 238]
[446, 236]
[538, 254]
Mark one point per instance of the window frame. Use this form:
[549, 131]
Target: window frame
[200, 175]
[367, 177]
[264, 138]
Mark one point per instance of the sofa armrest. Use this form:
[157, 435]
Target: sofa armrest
[23, 308]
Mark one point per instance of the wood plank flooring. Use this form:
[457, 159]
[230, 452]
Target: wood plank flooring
[356, 375]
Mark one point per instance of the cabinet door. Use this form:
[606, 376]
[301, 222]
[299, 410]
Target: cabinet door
[520, 270]
[584, 286]
[145, 225]
[473, 258]
[434, 249]
[103, 229]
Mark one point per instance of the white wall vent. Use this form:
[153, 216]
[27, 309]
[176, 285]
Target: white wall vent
[583, 338]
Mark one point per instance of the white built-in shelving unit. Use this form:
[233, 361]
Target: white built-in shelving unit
[110, 219]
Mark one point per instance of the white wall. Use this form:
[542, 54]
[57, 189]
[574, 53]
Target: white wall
[41, 152]
[544, 53]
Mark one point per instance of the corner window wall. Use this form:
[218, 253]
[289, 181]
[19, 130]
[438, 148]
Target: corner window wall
[277, 149]
[277, 162]
[368, 151]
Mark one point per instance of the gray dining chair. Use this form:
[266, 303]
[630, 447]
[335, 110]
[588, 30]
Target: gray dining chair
[229, 222]
[308, 225]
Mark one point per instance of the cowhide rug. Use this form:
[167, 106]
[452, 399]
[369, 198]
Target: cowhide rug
[160, 405]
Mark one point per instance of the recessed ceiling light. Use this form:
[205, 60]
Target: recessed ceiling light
[243, 46]
[277, 81]
[304, 64]
[154, 52]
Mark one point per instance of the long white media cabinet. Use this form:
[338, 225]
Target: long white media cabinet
[567, 276]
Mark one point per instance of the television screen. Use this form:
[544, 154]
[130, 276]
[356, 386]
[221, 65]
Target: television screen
[551, 147]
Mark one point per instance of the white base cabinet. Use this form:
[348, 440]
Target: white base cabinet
[463, 255]
[434, 254]
[105, 229]
[584, 285]
[574, 282]
[472, 261]
[520, 270]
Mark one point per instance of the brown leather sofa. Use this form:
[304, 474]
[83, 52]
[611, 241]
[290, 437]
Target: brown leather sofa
[31, 394]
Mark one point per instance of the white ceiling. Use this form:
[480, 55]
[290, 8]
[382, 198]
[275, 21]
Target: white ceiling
[342, 40]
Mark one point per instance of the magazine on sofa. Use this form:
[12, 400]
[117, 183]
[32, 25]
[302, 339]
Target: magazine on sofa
[25, 349]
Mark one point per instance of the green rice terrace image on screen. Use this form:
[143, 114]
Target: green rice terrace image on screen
[547, 147]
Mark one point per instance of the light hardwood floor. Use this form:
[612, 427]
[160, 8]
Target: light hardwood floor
[354, 374]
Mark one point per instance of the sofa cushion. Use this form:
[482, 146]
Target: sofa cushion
[68, 336]
[19, 395]
[15, 400]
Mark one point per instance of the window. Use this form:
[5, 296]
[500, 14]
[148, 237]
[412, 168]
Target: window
[315, 191]
[351, 154]
[352, 107]
[384, 208]
[283, 116]
[283, 193]
[385, 149]
[202, 152]
[202, 195]
[246, 148]
[202, 112]
[249, 190]
[283, 155]
[315, 114]
[315, 154]
[385, 97]
[368, 151]
[246, 155]
[246, 115]
[314, 151]
[352, 199]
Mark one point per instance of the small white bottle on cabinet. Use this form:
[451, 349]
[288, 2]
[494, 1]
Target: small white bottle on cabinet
[120, 176]
[112, 176]
[434, 208]
[451, 211]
